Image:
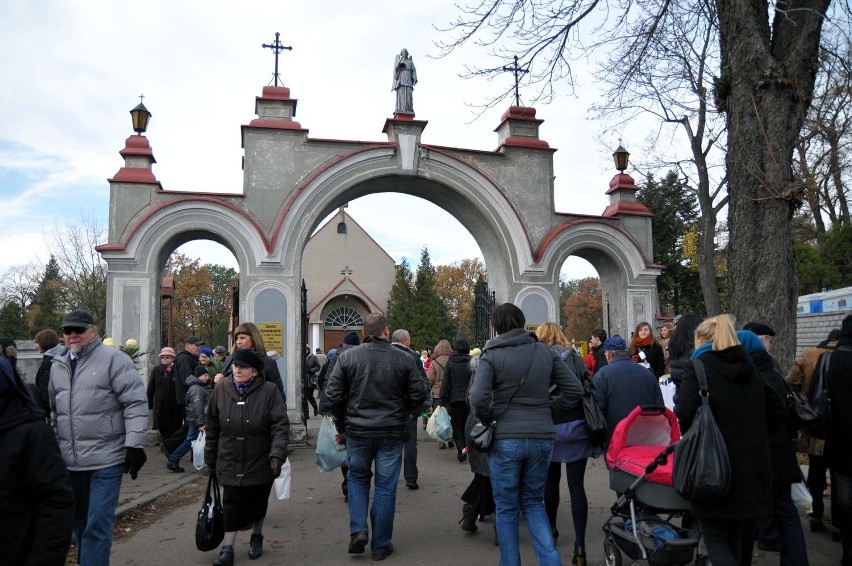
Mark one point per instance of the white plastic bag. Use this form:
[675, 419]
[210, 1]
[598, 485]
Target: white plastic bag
[329, 455]
[282, 482]
[439, 426]
[668, 388]
[801, 497]
[198, 451]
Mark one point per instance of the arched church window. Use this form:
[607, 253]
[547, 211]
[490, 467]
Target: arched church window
[344, 316]
[341, 227]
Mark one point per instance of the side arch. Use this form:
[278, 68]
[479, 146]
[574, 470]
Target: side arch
[628, 279]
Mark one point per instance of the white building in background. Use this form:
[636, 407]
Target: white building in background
[833, 300]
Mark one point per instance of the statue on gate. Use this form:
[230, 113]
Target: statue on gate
[404, 79]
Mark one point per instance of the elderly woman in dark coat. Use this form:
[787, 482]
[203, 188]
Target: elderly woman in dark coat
[247, 432]
[738, 400]
[512, 385]
[161, 395]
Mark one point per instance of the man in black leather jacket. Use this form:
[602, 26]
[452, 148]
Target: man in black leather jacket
[372, 392]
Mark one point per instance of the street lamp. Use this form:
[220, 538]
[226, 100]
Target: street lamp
[621, 157]
[140, 117]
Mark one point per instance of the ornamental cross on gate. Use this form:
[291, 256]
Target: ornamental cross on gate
[277, 47]
[517, 70]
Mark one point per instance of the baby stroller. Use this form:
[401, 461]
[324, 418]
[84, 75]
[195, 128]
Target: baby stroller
[640, 472]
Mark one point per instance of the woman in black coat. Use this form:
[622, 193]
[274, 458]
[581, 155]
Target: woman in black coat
[738, 400]
[782, 456]
[644, 349]
[454, 388]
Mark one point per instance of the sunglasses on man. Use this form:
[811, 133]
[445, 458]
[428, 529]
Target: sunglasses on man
[73, 330]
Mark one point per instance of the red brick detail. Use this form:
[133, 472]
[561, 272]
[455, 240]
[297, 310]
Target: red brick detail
[276, 124]
[276, 93]
[627, 207]
[519, 113]
[137, 145]
[134, 175]
[622, 181]
[526, 142]
[403, 116]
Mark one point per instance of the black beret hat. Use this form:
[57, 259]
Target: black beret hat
[759, 328]
[200, 370]
[248, 358]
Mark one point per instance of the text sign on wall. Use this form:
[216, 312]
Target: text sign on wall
[273, 336]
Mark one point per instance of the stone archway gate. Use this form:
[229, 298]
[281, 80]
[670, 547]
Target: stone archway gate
[291, 182]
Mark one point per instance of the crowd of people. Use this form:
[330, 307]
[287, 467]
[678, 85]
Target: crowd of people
[526, 387]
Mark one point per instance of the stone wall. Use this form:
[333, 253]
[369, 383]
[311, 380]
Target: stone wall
[811, 329]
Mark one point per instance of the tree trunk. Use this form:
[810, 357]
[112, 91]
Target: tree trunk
[812, 195]
[765, 88]
[706, 263]
[837, 179]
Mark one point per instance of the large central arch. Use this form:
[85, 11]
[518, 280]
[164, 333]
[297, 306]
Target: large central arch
[504, 198]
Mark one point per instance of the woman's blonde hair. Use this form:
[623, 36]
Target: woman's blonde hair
[552, 335]
[251, 330]
[719, 330]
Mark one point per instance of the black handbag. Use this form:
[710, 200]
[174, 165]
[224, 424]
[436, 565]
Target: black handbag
[799, 409]
[701, 472]
[819, 399]
[481, 434]
[210, 527]
[595, 419]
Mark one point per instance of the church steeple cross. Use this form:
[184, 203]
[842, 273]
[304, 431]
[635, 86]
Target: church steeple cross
[277, 47]
[517, 70]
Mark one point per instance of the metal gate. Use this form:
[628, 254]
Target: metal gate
[483, 307]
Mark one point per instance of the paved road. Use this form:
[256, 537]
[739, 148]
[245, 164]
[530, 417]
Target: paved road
[312, 527]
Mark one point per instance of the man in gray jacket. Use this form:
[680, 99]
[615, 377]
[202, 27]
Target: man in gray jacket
[100, 411]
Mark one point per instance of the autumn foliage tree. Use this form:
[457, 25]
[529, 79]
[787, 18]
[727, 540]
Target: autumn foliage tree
[582, 307]
[455, 284]
[201, 303]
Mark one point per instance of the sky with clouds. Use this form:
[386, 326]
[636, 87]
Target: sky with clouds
[73, 70]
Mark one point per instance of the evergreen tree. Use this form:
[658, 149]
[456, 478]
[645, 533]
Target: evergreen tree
[12, 321]
[430, 318]
[46, 308]
[401, 298]
[837, 252]
[673, 206]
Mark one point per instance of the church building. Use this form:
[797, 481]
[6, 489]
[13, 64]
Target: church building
[347, 275]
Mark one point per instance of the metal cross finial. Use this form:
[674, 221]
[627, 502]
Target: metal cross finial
[141, 96]
[277, 48]
[517, 70]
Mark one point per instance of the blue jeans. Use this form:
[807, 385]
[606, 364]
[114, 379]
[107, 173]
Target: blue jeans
[518, 473]
[387, 455]
[185, 446]
[96, 496]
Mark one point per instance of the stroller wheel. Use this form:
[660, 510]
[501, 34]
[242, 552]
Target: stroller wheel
[612, 555]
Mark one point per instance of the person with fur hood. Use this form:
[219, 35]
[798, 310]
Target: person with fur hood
[435, 375]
